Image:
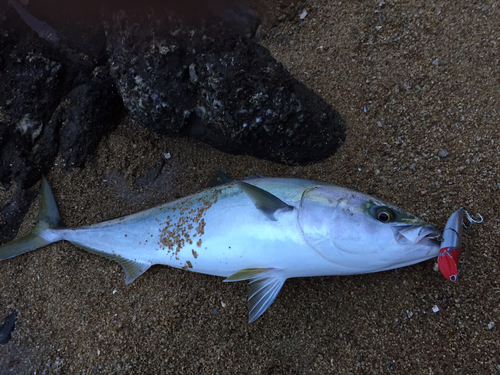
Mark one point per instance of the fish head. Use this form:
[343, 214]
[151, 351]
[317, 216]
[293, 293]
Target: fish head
[362, 233]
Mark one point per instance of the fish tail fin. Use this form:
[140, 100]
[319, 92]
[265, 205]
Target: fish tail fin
[48, 218]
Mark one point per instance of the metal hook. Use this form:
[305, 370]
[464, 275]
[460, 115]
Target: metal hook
[471, 219]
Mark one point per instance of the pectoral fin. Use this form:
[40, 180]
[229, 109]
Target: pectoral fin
[265, 284]
[263, 200]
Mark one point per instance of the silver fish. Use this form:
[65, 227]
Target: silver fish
[264, 230]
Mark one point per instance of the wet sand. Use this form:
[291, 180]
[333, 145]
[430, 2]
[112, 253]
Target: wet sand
[419, 87]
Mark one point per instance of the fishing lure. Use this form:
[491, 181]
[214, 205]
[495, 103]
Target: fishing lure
[450, 247]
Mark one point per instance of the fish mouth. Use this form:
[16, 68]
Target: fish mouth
[426, 235]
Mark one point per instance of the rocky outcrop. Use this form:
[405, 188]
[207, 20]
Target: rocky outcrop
[214, 84]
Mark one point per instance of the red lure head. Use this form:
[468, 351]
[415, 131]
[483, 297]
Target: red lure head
[448, 262]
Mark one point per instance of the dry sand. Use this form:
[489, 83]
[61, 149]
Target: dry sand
[419, 86]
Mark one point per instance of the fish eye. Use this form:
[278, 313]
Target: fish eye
[384, 214]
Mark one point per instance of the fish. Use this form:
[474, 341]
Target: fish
[262, 230]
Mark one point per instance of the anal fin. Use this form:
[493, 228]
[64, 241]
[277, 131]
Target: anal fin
[265, 284]
[133, 269]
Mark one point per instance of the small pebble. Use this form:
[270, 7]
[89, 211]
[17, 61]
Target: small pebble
[443, 153]
[491, 325]
[435, 308]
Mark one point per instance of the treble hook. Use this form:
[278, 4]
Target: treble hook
[472, 220]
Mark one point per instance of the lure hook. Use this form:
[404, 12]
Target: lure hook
[472, 220]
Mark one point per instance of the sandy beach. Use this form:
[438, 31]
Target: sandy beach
[418, 85]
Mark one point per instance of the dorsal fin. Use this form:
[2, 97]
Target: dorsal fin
[263, 200]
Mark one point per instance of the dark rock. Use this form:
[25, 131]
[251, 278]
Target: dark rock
[7, 327]
[31, 81]
[36, 75]
[45, 151]
[94, 109]
[12, 212]
[154, 88]
[210, 82]
[254, 106]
